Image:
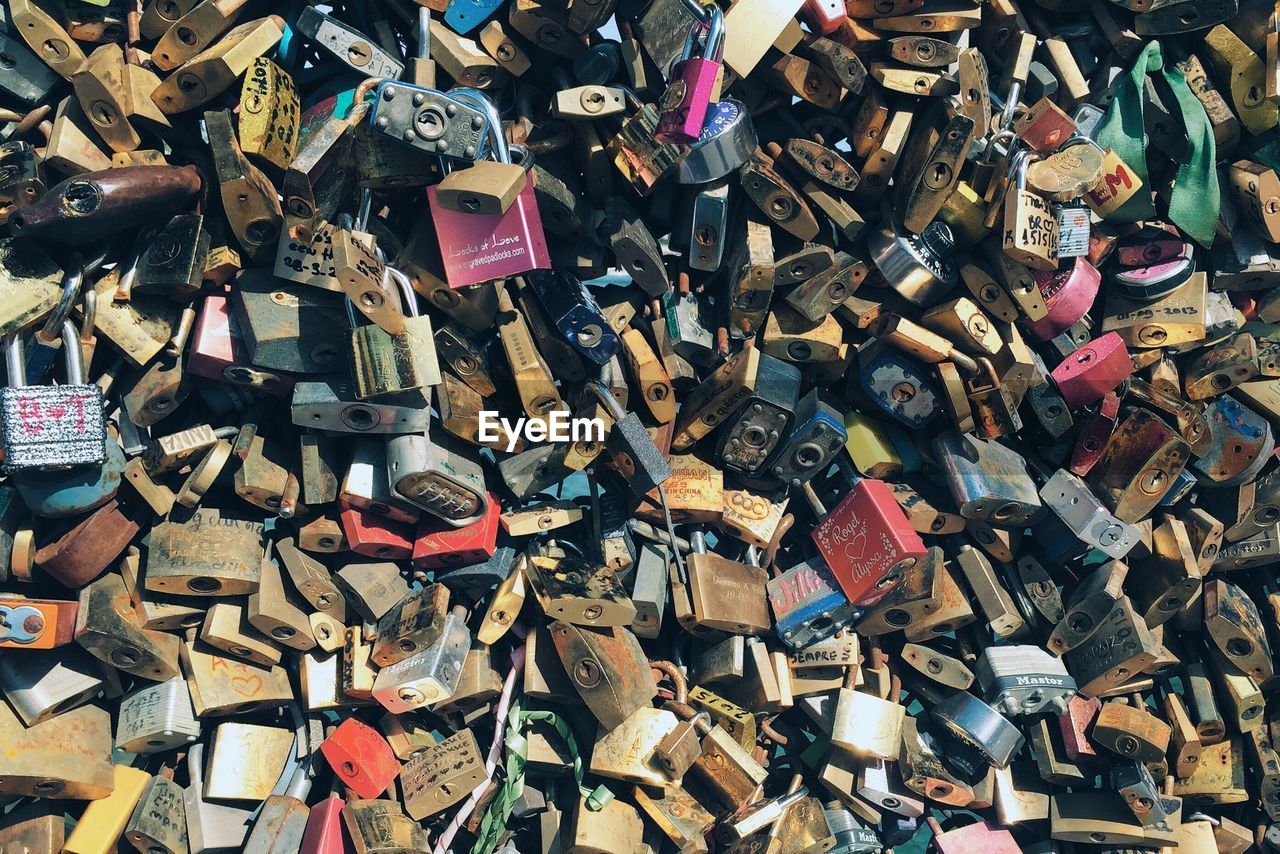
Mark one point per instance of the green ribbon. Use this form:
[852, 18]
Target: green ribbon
[1193, 203]
[517, 747]
[1264, 149]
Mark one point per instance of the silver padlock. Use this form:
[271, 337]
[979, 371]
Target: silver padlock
[157, 717]
[1080, 510]
[431, 676]
[438, 475]
[42, 683]
[1024, 680]
[52, 427]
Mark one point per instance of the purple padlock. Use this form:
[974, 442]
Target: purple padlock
[1067, 294]
[687, 99]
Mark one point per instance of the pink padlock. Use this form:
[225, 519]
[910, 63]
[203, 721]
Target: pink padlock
[1067, 294]
[687, 99]
[324, 831]
[217, 351]
[1085, 377]
[479, 248]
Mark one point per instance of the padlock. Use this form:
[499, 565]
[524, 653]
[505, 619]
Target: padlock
[248, 197]
[441, 775]
[1030, 227]
[361, 758]
[919, 267]
[428, 676]
[40, 685]
[107, 627]
[867, 542]
[274, 611]
[896, 384]
[724, 594]
[807, 607]
[1138, 465]
[987, 480]
[685, 103]
[52, 427]
[386, 363]
[519, 228]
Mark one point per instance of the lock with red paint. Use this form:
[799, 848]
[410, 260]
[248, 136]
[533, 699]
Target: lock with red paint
[361, 758]
[867, 542]
[1091, 371]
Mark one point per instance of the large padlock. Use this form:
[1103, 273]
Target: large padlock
[52, 427]
[480, 247]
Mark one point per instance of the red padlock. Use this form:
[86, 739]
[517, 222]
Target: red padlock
[1067, 294]
[1085, 377]
[218, 351]
[824, 16]
[441, 545]
[1078, 720]
[375, 536]
[867, 542]
[361, 758]
[324, 831]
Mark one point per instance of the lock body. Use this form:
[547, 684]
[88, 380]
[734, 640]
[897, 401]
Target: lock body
[867, 543]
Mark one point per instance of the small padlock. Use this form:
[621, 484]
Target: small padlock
[687, 98]
[1030, 227]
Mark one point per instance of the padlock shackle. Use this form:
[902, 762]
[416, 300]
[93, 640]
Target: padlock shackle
[609, 401]
[424, 33]
[72, 280]
[996, 138]
[14, 363]
[407, 295]
[361, 222]
[713, 45]
[71, 353]
[497, 139]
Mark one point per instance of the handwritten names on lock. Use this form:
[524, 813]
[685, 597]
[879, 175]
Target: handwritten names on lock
[839, 651]
[206, 543]
[441, 775]
[309, 262]
[269, 113]
[43, 415]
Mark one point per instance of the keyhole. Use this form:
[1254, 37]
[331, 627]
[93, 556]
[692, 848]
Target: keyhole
[938, 176]
[358, 53]
[82, 197]
[55, 49]
[102, 114]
